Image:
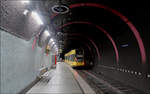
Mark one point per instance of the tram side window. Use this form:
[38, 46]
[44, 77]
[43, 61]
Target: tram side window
[69, 58]
[72, 57]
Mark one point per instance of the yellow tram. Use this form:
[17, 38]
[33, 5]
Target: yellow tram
[75, 58]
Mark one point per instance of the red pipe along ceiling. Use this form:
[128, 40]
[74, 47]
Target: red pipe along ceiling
[124, 18]
[101, 29]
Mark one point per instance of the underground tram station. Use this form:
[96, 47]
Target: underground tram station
[74, 47]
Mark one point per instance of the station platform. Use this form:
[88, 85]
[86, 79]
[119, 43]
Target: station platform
[63, 80]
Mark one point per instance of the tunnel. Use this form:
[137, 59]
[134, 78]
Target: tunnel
[36, 35]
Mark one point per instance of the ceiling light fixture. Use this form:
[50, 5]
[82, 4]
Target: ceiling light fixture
[51, 40]
[25, 12]
[55, 46]
[25, 1]
[53, 43]
[60, 9]
[37, 18]
[47, 33]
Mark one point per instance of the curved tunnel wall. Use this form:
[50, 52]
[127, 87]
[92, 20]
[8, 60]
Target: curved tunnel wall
[129, 69]
[133, 47]
[130, 64]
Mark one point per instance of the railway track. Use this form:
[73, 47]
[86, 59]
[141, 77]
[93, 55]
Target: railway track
[105, 85]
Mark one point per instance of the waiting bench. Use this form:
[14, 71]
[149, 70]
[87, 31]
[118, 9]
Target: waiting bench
[45, 75]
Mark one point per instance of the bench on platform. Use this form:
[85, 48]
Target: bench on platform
[44, 74]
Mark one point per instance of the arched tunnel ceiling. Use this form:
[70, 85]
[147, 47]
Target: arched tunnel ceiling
[113, 33]
[116, 17]
[107, 24]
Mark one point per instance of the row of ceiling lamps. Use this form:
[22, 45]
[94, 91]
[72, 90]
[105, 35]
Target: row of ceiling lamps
[36, 17]
[34, 14]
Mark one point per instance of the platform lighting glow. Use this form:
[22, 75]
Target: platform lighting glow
[56, 49]
[47, 33]
[53, 43]
[51, 40]
[25, 1]
[36, 17]
[25, 12]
